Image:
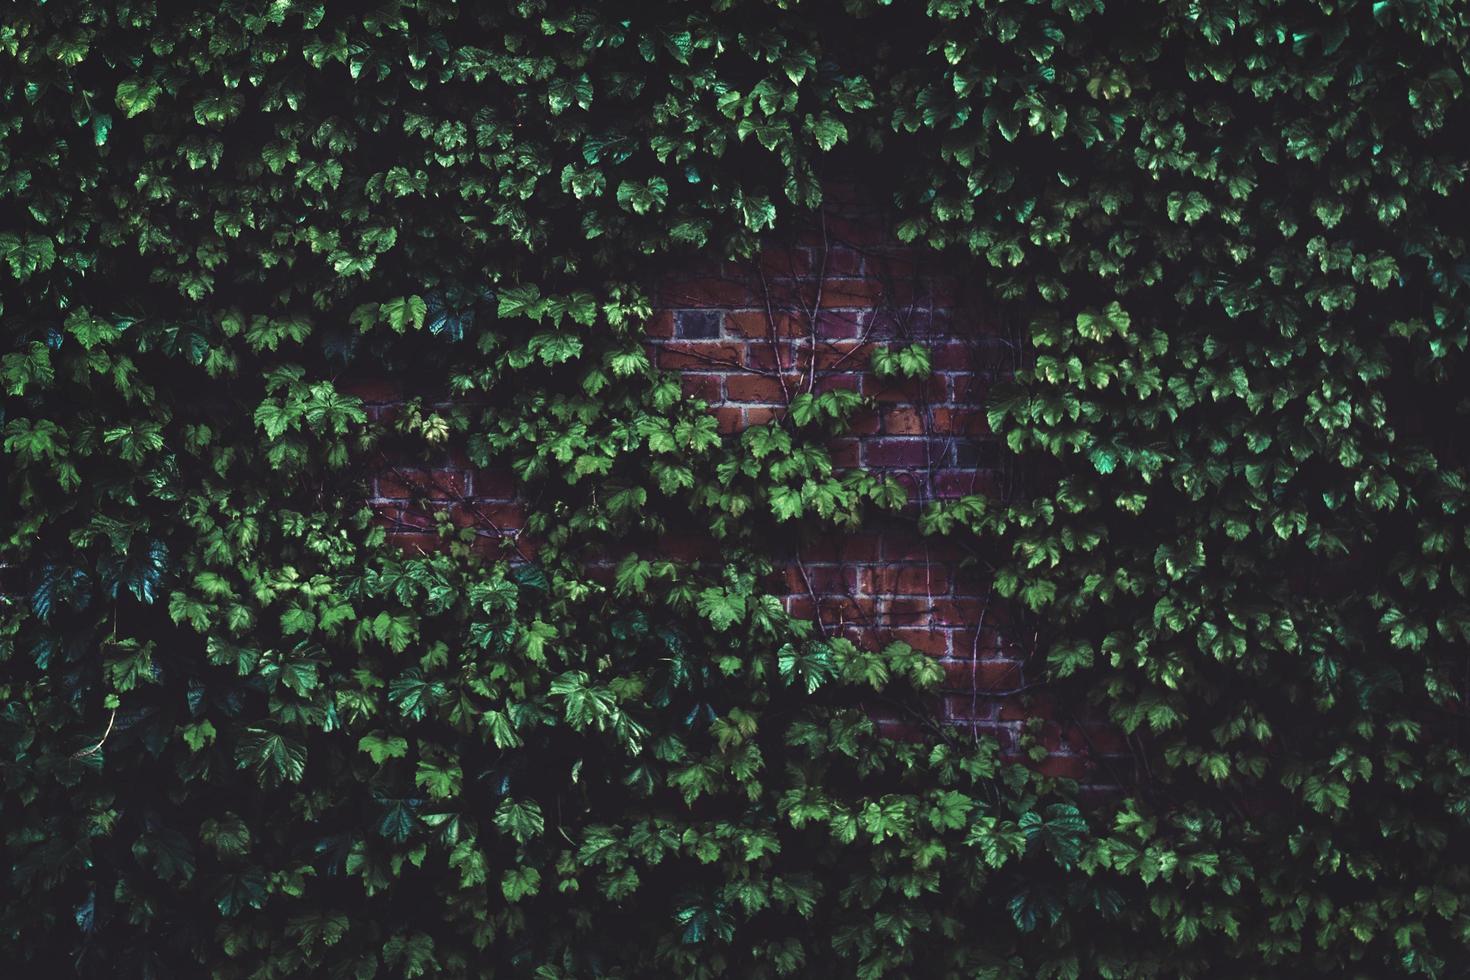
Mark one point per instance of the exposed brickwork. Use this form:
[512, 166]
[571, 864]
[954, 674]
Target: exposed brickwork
[805, 316]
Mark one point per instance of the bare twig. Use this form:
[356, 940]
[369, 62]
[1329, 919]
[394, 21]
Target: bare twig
[100, 742]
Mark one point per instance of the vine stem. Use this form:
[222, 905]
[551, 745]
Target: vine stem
[82, 753]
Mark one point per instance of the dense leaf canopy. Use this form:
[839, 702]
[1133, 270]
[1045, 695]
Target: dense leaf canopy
[243, 736]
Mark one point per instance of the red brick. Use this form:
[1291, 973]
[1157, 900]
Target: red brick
[952, 356]
[660, 325]
[843, 547]
[498, 516]
[371, 390]
[800, 607]
[961, 389]
[990, 642]
[700, 355]
[851, 354]
[907, 580]
[865, 423]
[840, 324]
[759, 325]
[913, 548]
[394, 515]
[846, 609]
[415, 542]
[968, 708]
[949, 484]
[832, 382]
[428, 484]
[895, 452]
[824, 579]
[758, 388]
[729, 419]
[1035, 707]
[966, 673]
[839, 261]
[959, 421]
[844, 453]
[765, 356]
[706, 386]
[841, 294]
[708, 293]
[759, 416]
[1064, 767]
[856, 231]
[902, 420]
[913, 392]
[785, 261]
[493, 484]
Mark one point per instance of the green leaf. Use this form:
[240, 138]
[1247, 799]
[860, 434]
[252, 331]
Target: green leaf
[137, 95]
[382, 746]
[522, 820]
[520, 883]
[404, 312]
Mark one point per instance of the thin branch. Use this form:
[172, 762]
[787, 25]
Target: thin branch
[100, 742]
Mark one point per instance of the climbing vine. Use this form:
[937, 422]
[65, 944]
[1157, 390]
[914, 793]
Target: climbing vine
[244, 734]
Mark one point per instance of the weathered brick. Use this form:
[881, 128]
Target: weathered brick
[729, 419]
[758, 388]
[760, 325]
[789, 262]
[660, 325]
[844, 453]
[823, 579]
[895, 452]
[710, 387]
[837, 260]
[965, 673]
[848, 354]
[415, 542]
[903, 420]
[861, 547]
[493, 484]
[372, 391]
[840, 294]
[1065, 767]
[709, 293]
[711, 355]
[759, 416]
[841, 324]
[926, 579]
[406, 484]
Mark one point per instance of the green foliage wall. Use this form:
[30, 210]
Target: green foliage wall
[244, 737]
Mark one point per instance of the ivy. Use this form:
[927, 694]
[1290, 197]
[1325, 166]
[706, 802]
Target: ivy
[244, 734]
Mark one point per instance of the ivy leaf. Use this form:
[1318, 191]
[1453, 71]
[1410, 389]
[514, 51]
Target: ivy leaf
[273, 757]
[521, 820]
[722, 608]
[403, 312]
[382, 746]
[240, 890]
[440, 781]
[398, 819]
[519, 883]
[137, 95]
[809, 666]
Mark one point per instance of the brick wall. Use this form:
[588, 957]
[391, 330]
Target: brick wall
[747, 338]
